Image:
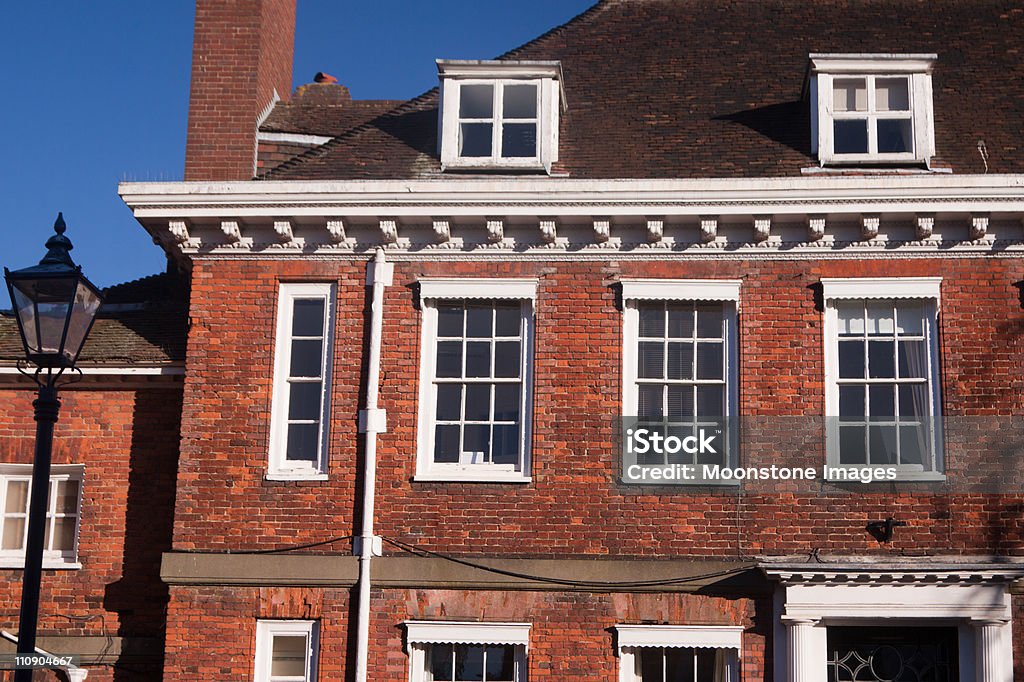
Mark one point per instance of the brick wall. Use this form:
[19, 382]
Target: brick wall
[574, 505]
[212, 630]
[128, 441]
[242, 52]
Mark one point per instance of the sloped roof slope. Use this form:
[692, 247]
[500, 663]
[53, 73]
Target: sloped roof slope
[143, 322]
[702, 88]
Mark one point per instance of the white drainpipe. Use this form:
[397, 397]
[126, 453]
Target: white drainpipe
[372, 421]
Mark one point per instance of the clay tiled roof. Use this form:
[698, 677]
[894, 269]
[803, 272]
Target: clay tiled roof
[702, 88]
[143, 322]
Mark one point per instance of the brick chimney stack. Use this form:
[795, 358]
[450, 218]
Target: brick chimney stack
[241, 54]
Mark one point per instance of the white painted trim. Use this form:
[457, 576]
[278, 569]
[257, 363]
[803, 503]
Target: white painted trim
[917, 70]
[681, 289]
[498, 68]
[52, 559]
[426, 468]
[467, 288]
[981, 612]
[697, 636]
[167, 370]
[466, 632]
[724, 291]
[866, 62]
[881, 287]
[297, 138]
[545, 120]
[900, 288]
[278, 467]
[266, 630]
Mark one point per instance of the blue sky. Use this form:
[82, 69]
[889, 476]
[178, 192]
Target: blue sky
[97, 92]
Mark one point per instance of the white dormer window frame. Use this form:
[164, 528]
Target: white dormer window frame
[509, 98]
[890, 94]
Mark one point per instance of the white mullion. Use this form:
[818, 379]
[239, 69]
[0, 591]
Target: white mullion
[51, 511]
[872, 115]
[496, 130]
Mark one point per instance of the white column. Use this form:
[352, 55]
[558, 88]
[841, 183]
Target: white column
[77, 674]
[801, 665]
[991, 652]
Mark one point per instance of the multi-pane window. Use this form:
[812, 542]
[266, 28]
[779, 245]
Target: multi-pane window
[681, 361]
[301, 380]
[286, 651]
[679, 653]
[872, 115]
[60, 544]
[479, 365]
[477, 662]
[882, 367]
[872, 108]
[475, 375]
[456, 651]
[499, 114]
[498, 120]
[680, 364]
[676, 664]
[884, 383]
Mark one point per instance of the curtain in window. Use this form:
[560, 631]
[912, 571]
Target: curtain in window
[722, 666]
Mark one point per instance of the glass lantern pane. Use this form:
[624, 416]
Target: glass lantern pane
[86, 304]
[26, 312]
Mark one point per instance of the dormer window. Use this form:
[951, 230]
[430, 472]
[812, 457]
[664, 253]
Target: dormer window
[499, 114]
[872, 109]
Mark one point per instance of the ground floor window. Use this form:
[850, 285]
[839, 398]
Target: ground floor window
[892, 654]
[451, 651]
[286, 650]
[476, 662]
[679, 653]
[664, 664]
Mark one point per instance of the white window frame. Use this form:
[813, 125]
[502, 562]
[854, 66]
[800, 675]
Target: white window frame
[52, 559]
[267, 630]
[724, 291]
[545, 75]
[826, 68]
[433, 290]
[420, 635]
[279, 467]
[630, 638]
[925, 289]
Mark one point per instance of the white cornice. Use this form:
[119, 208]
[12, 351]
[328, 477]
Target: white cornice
[236, 218]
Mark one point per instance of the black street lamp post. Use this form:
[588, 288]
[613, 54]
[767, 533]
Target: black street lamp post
[55, 306]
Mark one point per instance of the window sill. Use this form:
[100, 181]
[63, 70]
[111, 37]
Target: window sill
[292, 476]
[489, 164]
[472, 477]
[48, 564]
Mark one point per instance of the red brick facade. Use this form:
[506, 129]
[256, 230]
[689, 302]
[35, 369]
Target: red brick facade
[575, 505]
[127, 438]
